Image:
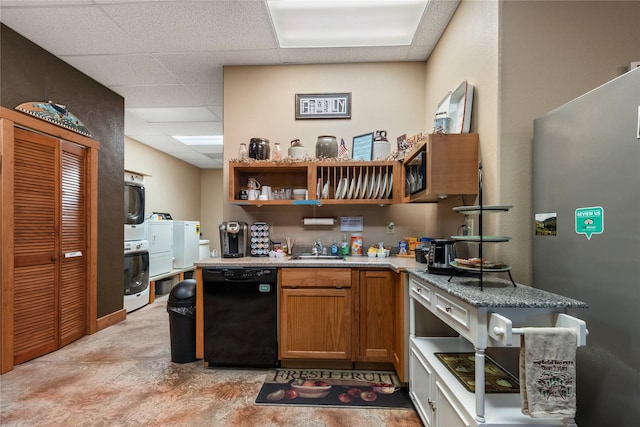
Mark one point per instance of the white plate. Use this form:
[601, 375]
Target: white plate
[351, 188]
[345, 187]
[325, 190]
[357, 193]
[389, 184]
[339, 190]
[377, 190]
[383, 187]
[363, 194]
[460, 108]
[372, 181]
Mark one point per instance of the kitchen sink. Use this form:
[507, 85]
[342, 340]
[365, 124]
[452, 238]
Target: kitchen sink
[311, 256]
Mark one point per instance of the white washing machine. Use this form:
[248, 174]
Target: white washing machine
[136, 274]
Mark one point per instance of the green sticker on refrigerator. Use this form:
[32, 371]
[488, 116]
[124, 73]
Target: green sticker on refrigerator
[589, 221]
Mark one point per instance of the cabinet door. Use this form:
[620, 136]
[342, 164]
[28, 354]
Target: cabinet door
[50, 238]
[36, 248]
[421, 377]
[376, 311]
[73, 244]
[315, 323]
[448, 413]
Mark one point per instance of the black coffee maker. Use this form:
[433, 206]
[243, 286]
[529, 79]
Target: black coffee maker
[234, 239]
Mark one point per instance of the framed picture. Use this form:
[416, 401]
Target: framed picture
[362, 146]
[323, 106]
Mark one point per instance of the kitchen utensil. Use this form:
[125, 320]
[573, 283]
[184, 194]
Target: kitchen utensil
[253, 194]
[266, 191]
[253, 184]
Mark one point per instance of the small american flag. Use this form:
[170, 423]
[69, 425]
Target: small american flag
[342, 150]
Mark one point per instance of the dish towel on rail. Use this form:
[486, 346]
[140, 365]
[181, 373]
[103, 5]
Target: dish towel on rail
[548, 372]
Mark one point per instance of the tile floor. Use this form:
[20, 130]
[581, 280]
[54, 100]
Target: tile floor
[123, 376]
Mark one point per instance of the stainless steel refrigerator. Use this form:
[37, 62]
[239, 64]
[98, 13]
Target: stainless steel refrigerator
[586, 201]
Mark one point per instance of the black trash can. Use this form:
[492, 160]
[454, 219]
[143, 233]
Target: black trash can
[181, 307]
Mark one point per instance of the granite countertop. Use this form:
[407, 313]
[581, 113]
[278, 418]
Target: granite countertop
[396, 264]
[497, 292]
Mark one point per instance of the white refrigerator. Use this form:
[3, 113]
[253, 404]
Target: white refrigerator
[186, 243]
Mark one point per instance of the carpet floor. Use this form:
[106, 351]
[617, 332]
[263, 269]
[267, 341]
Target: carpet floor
[123, 376]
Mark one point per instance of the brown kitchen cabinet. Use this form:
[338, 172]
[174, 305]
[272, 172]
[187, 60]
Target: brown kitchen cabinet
[49, 232]
[443, 165]
[326, 182]
[380, 314]
[375, 307]
[315, 316]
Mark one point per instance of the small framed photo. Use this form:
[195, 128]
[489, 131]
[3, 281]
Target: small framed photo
[362, 146]
[323, 106]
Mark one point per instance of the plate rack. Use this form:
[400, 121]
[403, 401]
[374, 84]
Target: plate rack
[480, 209]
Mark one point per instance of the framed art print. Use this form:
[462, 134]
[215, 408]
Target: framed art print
[323, 106]
[362, 146]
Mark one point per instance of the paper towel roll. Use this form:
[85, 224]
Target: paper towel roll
[318, 221]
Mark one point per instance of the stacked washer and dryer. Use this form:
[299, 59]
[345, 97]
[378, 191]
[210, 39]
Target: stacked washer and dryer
[136, 245]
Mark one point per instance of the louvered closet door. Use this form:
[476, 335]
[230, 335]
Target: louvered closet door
[36, 246]
[73, 242]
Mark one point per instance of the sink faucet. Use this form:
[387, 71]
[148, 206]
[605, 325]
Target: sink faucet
[317, 247]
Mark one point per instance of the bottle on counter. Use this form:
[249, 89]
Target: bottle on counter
[334, 248]
[356, 244]
[345, 245]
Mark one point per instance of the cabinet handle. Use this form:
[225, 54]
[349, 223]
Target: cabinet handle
[447, 308]
[432, 405]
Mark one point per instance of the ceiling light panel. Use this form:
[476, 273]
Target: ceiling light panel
[345, 23]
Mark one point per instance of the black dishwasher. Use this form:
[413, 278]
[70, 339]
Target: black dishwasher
[240, 317]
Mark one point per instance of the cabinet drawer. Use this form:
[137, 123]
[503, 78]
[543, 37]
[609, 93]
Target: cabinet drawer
[316, 277]
[420, 293]
[449, 309]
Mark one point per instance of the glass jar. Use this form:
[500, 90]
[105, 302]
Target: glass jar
[259, 148]
[276, 154]
[242, 151]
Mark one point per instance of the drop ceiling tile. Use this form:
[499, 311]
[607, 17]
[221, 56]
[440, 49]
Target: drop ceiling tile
[159, 142]
[207, 93]
[156, 96]
[65, 30]
[249, 57]
[217, 110]
[434, 21]
[130, 69]
[134, 125]
[208, 149]
[168, 115]
[193, 67]
[190, 129]
[202, 25]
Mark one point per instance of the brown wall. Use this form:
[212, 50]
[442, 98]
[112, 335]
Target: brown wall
[29, 73]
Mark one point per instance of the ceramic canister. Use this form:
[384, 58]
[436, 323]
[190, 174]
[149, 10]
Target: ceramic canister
[381, 147]
[327, 147]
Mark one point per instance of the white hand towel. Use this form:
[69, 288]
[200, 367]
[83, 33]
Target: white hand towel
[548, 372]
